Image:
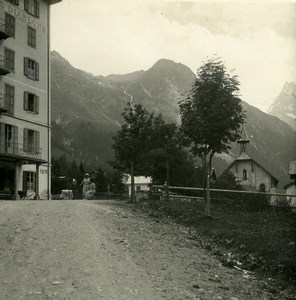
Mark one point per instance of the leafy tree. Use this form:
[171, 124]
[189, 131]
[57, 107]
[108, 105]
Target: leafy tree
[81, 169]
[166, 160]
[73, 170]
[227, 181]
[64, 164]
[56, 168]
[131, 141]
[211, 115]
[164, 146]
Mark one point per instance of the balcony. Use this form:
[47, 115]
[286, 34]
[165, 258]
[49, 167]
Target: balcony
[4, 69]
[4, 32]
[19, 151]
[4, 105]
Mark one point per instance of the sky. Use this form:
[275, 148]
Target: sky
[255, 39]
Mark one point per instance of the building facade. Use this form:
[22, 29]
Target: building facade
[25, 98]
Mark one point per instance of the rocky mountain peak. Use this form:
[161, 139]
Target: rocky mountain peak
[284, 106]
[166, 65]
[289, 88]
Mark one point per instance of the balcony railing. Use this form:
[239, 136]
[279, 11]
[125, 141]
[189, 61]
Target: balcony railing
[4, 105]
[19, 150]
[4, 68]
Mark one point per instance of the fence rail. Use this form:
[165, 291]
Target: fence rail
[272, 196]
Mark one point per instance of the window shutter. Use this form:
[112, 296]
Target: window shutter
[12, 59]
[15, 140]
[26, 100]
[25, 187]
[36, 71]
[26, 66]
[11, 101]
[26, 146]
[29, 35]
[2, 137]
[26, 5]
[37, 9]
[37, 104]
[37, 142]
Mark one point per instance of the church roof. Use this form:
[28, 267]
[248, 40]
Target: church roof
[244, 156]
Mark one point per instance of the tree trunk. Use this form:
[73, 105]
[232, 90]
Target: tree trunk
[208, 171]
[167, 178]
[133, 193]
[205, 177]
[208, 201]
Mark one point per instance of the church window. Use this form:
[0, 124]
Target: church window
[245, 175]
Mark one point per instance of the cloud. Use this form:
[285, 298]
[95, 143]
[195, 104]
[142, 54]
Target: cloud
[124, 36]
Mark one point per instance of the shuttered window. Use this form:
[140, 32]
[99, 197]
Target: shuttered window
[10, 24]
[9, 59]
[31, 37]
[9, 96]
[31, 141]
[15, 2]
[31, 102]
[32, 7]
[8, 138]
[31, 68]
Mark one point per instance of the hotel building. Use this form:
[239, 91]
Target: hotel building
[25, 132]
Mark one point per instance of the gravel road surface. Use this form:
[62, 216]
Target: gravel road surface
[107, 250]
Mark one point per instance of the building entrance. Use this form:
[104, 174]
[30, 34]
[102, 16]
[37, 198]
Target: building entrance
[7, 182]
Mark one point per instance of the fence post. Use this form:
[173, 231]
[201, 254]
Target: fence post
[167, 194]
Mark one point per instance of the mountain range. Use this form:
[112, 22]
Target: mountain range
[86, 113]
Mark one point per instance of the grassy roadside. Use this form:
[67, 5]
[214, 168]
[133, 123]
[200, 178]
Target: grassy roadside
[261, 240]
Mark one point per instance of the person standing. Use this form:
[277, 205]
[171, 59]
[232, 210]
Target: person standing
[85, 185]
[74, 188]
[91, 190]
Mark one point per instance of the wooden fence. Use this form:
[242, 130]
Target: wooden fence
[165, 192]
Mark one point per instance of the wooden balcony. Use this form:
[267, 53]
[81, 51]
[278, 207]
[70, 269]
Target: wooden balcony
[18, 151]
[4, 105]
[4, 33]
[4, 69]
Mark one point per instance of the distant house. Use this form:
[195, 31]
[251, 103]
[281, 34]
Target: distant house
[142, 184]
[291, 187]
[291, 190]
[249, 173]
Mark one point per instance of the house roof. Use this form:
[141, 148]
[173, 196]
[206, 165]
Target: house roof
[139, 180]
[289, 184]
[245, 156]
[54, 1]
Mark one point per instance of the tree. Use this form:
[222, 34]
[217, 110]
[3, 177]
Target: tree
[227, 181]
[164, 146]
[73, 171]
[211, 115]
[81, 170]
[131, 141]
[166, 159]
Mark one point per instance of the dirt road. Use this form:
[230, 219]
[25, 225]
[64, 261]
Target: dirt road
[106, 250]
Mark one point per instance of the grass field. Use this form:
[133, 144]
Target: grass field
[256, 238]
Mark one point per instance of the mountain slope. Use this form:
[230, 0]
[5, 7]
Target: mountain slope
[284, 106]
[86, 112]
[80, 96]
